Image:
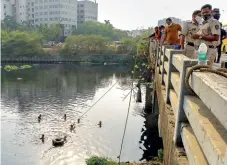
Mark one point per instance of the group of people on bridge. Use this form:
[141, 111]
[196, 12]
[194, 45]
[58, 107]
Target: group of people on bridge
[204, 27]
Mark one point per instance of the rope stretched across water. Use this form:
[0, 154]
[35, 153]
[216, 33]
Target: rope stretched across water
[98, 100]
[203, 68]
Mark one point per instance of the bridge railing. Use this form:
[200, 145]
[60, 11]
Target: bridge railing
[201, 120]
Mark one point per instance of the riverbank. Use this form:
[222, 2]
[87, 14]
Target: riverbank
[103, 161]
[88, 59]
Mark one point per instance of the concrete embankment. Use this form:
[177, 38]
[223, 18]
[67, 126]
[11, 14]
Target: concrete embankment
[193, 126]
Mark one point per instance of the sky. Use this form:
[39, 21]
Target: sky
[133, 14]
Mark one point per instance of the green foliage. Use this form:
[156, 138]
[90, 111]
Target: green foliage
[96, 44]
[9, 23]
[18, 43]
[142, 48]
[9, 68]
[25, 40]
[81, 44]
[160, 154]
[141, 69]
[95, 160]
[128, 45]
[97, 28]
[51, 33]
[25, 66]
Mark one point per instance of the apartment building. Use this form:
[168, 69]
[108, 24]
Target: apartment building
[7, 8]
[38, 12]
[87, 11]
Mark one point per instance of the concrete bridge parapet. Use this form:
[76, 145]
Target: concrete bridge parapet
[193, 127]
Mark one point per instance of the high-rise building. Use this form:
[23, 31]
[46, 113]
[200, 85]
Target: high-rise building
[8, 8]
[87, 11]
[37, 12]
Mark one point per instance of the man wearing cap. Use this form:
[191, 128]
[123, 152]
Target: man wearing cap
[216, 15]
[189, 28]
[209, 33]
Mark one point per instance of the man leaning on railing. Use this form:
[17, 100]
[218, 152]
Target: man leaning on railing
[171, 36]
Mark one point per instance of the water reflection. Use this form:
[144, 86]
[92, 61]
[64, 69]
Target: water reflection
[150, 140]
[55, 90]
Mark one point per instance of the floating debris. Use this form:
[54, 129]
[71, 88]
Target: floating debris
[139, 94]
[142, 130]
[39, 118]
[72, 127]
[19, 78]
[65, 117]
[57, 142]
[42, 138]
[100, 124]
[78, 120]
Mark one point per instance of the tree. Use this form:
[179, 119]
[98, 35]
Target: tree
[18, 43]
[85, 44]
[97, 28]
[51, 33]
[128, 45]
[9, 23]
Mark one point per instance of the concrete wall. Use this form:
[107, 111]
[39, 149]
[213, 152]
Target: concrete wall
[173, 155]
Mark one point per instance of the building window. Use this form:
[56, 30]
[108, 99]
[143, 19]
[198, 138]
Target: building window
[82, 11]
[5, 14]
[81, 5]
[4, 6]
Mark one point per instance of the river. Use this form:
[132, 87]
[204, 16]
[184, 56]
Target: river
[55, 90]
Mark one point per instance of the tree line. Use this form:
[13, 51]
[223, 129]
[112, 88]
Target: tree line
[88, 38]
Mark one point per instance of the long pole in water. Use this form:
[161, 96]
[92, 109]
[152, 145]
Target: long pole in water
[125, 123]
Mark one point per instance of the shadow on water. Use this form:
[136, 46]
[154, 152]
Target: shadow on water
[55, 90]
[150, 140]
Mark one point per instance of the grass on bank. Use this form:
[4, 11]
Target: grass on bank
[95, 160]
